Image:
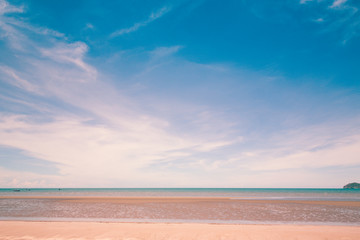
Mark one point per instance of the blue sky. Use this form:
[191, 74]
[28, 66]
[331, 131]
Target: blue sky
[179, 93]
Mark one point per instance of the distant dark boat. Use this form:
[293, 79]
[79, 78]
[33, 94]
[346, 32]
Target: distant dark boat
[16, 190]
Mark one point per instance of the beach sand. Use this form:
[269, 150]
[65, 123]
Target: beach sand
[11, 230]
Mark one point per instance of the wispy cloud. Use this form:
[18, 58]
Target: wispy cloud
[341, 16]
[5, 7]
[305, 1]
[335, 3]
[71, 54]
[89, 26]
[152, 17]
[13, 28]
[161, 52]
[311, 147]
[13, 78]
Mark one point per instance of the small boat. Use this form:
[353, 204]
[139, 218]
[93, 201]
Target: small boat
[16, 190]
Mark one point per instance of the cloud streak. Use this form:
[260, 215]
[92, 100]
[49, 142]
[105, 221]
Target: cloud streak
[152, 17]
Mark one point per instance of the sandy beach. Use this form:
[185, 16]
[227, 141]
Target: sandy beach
[11, 230]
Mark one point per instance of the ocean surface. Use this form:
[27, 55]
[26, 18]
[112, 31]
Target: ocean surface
[246, 205]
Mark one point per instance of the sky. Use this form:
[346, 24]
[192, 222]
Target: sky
[179, 93]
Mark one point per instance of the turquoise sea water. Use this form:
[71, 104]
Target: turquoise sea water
[336, 194]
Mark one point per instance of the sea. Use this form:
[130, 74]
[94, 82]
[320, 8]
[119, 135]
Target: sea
[315, 206]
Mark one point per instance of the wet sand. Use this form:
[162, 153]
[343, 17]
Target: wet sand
[179, 209]
[135, 200]
[10, 230]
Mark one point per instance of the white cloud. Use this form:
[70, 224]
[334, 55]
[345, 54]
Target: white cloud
[89, 26]
[95, 153]
[9, 178]
[12, 77]
[72, 53]
[81, 148]
[319, 20]
[161, 52]
[338, 3]
[5, 7]
[305, 1]
[153, 16]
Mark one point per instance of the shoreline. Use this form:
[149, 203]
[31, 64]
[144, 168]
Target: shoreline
[11, 230]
